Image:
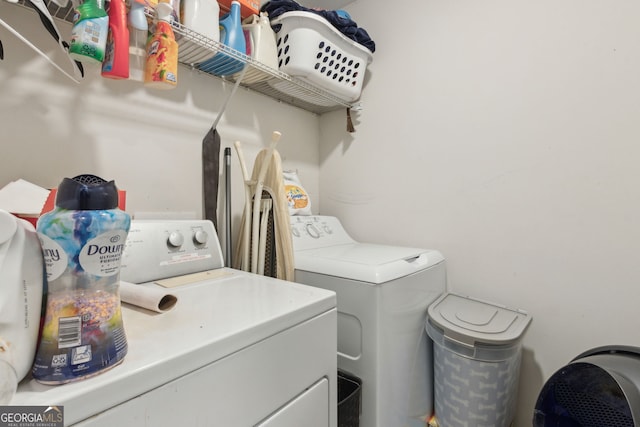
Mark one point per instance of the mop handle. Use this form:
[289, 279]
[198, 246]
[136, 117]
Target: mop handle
[227, 206]
[246, 237]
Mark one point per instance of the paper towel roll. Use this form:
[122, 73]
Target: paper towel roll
[151, 298]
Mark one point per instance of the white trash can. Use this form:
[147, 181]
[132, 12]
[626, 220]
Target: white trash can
[476, 355]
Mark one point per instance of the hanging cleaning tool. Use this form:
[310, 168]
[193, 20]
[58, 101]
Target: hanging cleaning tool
[89, 33]
[210, 175]
[211, 168]
[138, 34]
[161, 70]
[116, 60]
[232, 36]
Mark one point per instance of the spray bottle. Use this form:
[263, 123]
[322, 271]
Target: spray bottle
[89, 33]
[116, 61]
[138, 34]
[82, 242]
[161, 70]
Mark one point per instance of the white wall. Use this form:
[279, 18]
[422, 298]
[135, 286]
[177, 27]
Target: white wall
[148, 141]
[505, 134]
[502, 133]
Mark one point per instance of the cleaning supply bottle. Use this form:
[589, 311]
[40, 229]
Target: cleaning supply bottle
[231, 35]
[202, 17]
[231, 29]
[175, 11]
[82, 241]
[261, 43]
[161, 70]
[138, 35]
[89, 33]
[116, 60]
[20, 301]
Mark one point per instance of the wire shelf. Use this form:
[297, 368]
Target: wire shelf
[195, 49]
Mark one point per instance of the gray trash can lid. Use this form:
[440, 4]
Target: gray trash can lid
[472, 321]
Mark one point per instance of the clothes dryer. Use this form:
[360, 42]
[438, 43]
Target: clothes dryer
[216, 358]
[383, 294]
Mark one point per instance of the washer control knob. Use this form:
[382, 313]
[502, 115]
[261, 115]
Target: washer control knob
[200, 237]
[295, 232]
[327, 229]
[313, 231]
[175, 239]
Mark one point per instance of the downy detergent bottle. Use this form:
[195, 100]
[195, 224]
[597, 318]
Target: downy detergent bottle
[82, 241]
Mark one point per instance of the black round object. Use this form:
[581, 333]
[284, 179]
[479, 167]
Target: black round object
[87, 192]
[600, 387]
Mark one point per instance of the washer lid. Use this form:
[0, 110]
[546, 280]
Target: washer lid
[472, 321]
[366, 262]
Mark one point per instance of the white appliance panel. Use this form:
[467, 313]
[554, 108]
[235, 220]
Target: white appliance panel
[159, 249]
[383, 296]
[238, 390]
[329, 250]
[236, 344]
[308, 409]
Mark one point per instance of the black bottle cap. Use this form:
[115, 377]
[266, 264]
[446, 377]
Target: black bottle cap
[87, 192]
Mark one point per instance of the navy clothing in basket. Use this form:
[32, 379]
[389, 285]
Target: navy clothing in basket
[346, 26]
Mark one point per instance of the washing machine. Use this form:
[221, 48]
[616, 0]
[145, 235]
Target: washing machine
[383, 295]
[237, 349]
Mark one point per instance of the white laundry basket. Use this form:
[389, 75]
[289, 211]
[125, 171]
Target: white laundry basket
[477, 351]
[312, 49]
